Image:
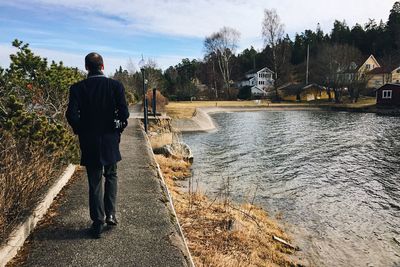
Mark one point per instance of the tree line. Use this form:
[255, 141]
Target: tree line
[213, 77]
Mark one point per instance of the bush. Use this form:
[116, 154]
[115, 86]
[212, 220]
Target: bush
[35, 141]
[26, 169]
[36, 83]
[245, 93]
[33, 150]
[161, 101]
[130, 98]
[38, 130]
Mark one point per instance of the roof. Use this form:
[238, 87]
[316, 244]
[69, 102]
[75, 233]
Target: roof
[314, 85]
[258, 89]
[390, 85]
[296, 88]
[267, 69]
[291, 88]
[380, 70]
[358, 65]
[365, 59]
[395, 68]
[257, 70]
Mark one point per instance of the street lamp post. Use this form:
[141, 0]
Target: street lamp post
[154, 104]
[142, 65]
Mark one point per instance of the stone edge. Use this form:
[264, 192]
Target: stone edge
[171, 203]
[17, 238]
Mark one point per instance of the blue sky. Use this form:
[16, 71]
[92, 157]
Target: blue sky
[163, 30]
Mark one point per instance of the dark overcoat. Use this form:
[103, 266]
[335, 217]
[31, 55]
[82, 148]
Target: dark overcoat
[93, 105]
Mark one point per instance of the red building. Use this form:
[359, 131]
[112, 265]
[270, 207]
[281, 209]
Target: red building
[388, 95]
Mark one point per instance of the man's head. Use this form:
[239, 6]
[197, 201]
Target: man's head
[94, 62]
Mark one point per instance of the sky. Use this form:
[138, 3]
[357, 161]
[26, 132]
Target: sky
[165, 31]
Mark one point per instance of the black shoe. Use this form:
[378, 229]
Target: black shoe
[97, 229]
[111, 220]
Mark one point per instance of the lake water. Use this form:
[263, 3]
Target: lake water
[333, 176]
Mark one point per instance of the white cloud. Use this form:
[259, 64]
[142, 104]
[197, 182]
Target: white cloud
[199, 18]
[183, 18]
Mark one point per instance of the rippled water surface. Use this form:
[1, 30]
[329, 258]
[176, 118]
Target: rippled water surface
[335, 177]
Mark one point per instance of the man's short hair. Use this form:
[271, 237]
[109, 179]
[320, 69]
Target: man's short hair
[93, 61]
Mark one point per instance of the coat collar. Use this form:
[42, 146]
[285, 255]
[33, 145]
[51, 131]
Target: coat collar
[97, 73]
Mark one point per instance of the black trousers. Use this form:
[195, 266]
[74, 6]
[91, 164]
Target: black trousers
[102, 195]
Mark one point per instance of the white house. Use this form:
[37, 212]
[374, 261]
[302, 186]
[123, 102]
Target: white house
[260, 81]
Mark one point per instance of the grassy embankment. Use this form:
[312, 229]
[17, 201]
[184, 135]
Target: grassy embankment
[223, 233]
[185, 109]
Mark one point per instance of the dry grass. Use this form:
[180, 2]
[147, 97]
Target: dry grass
[186, 109]
[161, 101]
[363, 101]
[222, 233]
[25, 172]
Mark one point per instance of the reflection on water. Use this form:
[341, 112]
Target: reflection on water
[334, 176]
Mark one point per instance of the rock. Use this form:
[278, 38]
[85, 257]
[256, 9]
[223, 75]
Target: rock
[176, 150]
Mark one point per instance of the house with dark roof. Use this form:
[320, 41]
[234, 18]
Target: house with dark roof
[378, 77]
[388, 95]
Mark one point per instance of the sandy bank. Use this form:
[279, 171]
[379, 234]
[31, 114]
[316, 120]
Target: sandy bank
[201, 121]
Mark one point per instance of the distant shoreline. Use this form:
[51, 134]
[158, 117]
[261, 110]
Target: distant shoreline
[202, 121]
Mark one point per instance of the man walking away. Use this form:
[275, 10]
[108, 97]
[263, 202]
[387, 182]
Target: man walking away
[98, 113]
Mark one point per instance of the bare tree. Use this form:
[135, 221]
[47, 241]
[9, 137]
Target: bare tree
[337, 68]
[223, 45]
[153, 75]
[272, 32]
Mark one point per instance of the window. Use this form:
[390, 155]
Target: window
[368, 66]
[397, 81]
[387, 94]
[398, 71]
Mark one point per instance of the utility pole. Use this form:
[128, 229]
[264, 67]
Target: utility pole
[308, 62]
[215, 82]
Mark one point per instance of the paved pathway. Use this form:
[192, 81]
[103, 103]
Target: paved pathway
[146, 236]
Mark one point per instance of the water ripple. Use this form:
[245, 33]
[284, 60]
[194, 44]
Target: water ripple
[335, 176]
